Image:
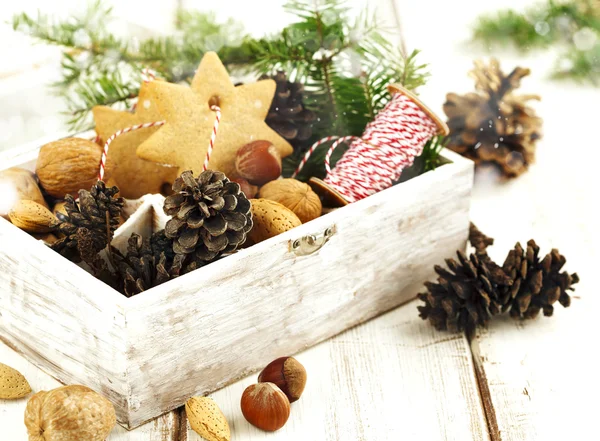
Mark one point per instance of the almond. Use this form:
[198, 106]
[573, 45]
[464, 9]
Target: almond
[13, 384]
[17, 184]
[206, 419]
[32, 217]
[69, 165]
[270, 219]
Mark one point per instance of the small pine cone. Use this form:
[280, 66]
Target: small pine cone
[288, 115]
[537, 284]
[466, 296]
[478, 240]
[494, 125]
[210, 216]
[98, 211]
[141, 269]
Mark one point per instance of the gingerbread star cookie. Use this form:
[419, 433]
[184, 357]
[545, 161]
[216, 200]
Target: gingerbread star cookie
[134, 176]
[184, 139]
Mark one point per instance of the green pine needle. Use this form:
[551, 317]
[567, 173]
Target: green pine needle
[550, 24]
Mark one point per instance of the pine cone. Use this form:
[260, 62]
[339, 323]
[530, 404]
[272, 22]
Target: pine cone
[537, 284]
[288, 115]
[141, 269]
[478, 240]
[211, 216]
[494, 125]
[98, 211]
[467, 296]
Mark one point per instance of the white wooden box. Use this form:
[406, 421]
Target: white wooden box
[201, 331]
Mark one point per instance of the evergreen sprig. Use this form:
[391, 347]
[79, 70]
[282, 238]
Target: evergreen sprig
[102, 69]
[552, 23]
[345, 63]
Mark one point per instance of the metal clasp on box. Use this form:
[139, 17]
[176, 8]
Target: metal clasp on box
[312, 243]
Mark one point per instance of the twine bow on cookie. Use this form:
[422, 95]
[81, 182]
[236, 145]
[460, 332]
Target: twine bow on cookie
[147, 77]
[389, 144]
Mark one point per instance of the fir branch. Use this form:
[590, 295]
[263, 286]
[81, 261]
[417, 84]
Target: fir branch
[548, 24]
[94, 60]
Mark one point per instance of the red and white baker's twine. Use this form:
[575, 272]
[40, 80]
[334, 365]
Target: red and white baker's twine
[374, 161]
[149, 76]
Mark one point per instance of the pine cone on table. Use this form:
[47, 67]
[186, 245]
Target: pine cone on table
[98, 211]
[494, 125]
[537, 284]
[288, 115]
[211, 217]
[141, 269]
[466, 296]
[478, 240]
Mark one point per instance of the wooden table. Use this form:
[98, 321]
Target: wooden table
[395, 378]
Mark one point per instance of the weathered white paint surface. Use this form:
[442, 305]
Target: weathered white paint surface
[389, 379]
[201, 331]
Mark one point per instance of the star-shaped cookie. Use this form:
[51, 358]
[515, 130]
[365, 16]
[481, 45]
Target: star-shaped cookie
[134, 176]
[183, 140]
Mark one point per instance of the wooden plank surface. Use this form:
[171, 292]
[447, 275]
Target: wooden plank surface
[542, 374]
[383, 380]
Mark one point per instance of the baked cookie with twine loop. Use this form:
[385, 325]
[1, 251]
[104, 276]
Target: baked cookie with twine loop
[148, 76]
[374, 161]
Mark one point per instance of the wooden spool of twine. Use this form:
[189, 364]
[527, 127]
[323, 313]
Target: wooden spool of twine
[376, 160]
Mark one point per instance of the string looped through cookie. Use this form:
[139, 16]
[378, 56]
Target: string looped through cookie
[213, 106]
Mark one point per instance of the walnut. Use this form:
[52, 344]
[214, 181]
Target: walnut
[69, 413]
[295, 195]
[68, 165]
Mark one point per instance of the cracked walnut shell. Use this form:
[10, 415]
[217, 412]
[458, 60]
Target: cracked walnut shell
[69, 413]
[68, 165]
[295, 195]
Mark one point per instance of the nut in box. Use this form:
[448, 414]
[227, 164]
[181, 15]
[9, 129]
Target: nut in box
[201, 285]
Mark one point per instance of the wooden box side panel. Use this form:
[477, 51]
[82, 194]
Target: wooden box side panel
[210, 327]
[61, 318]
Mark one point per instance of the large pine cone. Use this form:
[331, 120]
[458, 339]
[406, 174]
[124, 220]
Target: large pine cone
[538, 284]
[211, 216]
[141, 269]
[494, 125]
[288, 115]
[466, 296]
[98, 211]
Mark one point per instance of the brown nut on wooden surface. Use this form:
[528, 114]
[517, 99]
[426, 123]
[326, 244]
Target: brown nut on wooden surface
[206, 419]
[69, 165]
[248, 189]
[259, 162]
[17, 184]
[32, 217]
[295, 195]
[265, 406]
[13, 384]
[288, 374]
[69, 413]
[270, 219]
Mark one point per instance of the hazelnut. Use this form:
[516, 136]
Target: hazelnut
[259, 162]
[295, 195]
[248, 189]
[288, 374]
[265, 406]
